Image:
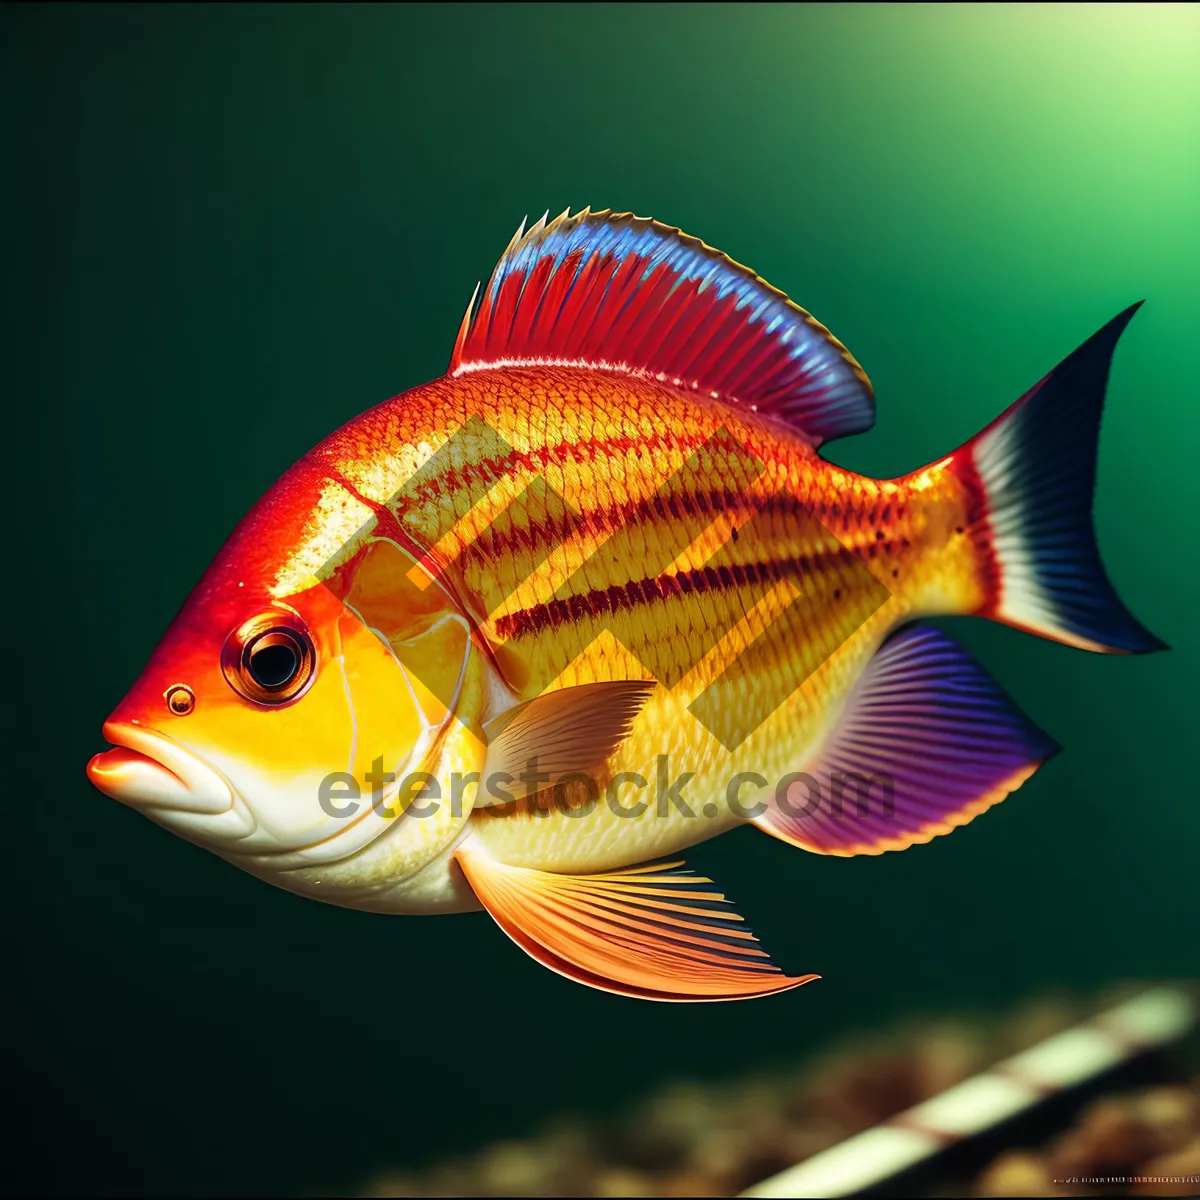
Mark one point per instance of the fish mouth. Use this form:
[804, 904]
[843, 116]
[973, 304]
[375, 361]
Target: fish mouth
[156, 775]
[173, 786]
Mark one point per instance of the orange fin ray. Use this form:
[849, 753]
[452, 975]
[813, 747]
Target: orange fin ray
[621, 937]
[571, 730]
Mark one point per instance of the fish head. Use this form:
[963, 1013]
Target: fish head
[279, 725]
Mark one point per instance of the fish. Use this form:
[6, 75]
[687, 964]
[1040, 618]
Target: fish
[517, 638]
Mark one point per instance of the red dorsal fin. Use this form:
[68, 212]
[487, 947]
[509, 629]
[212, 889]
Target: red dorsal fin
[611, 291]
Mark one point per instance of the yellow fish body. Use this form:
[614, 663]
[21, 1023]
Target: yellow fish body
[509, 639]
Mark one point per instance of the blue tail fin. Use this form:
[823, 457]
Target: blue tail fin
[1035, 470]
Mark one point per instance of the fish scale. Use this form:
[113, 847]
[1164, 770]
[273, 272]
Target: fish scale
[609, 486]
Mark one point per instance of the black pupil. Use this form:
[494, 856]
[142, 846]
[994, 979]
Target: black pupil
[274, 665]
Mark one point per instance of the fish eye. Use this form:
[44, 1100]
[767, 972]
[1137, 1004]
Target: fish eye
[273, 660]
[270, 659]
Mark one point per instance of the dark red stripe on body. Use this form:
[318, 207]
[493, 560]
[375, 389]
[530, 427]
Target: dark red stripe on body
[609, 601]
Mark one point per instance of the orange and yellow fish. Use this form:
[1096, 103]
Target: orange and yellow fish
[512, 639]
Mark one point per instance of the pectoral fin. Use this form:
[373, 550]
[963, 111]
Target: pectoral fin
[574, 729]
[653, 932]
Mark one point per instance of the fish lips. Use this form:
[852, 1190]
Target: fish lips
[152, 773]
[168, 783]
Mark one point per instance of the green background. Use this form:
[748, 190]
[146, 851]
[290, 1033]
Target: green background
[229, 229]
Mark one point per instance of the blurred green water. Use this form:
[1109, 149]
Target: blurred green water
[228, 229]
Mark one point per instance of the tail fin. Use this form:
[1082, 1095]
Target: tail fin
[1032, 474]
